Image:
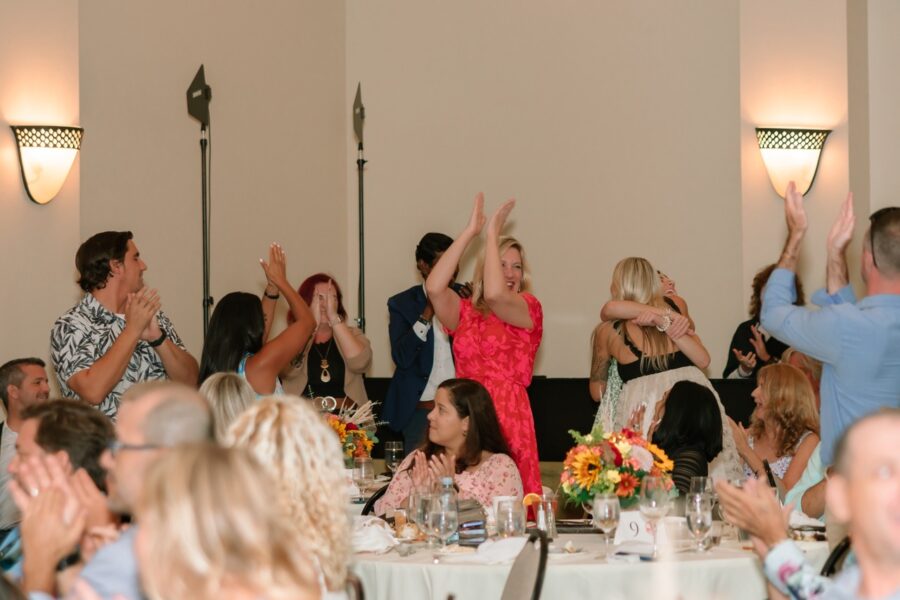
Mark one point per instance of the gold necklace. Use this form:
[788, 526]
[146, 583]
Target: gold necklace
[325, 374]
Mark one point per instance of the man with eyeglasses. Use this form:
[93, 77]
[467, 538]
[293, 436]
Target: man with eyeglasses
[858, 341]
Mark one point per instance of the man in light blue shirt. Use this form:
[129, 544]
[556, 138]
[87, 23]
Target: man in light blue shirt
[858, 342]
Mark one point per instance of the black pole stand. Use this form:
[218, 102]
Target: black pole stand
[198, 96]
[359, 116]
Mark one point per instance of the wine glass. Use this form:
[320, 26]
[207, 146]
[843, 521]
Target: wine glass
[393, 456]
[698, 513]
[443, 520]
[605, 516]
[654, 504]
[363, 474]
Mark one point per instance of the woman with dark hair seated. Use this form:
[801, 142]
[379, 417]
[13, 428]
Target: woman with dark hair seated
[687, 426]
[464, 442]
[238, 330]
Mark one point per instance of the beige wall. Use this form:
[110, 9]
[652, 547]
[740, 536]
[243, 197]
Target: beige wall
[614, 124]
[277, 77]
[884, 98]
[793, 72]
[39, 75]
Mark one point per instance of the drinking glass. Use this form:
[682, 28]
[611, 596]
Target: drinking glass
[363, 474]
[510, 518]
[698, 513]
[393, 455]
[443, 520]
[705, 485]
[605, 516]
[654, 504]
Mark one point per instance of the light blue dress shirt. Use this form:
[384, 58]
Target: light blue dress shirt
[858, 342]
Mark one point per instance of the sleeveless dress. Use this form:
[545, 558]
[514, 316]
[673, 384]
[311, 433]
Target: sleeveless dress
[242, 371]
[780, 465]
[500, 356]
[648, 385]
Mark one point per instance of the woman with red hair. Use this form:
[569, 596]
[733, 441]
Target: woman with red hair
[337, 355]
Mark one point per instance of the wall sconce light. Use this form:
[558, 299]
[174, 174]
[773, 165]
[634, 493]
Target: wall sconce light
[791, 155]
[46, 153]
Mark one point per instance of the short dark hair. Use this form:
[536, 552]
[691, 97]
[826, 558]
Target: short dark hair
[691, 420]
[11, 373]
[93, 256]
[431, 245]
[79, 430]
[759, 282]
[884, 240]
[472, 400]
[236, 328]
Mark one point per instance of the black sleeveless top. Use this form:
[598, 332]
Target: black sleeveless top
[633, 370]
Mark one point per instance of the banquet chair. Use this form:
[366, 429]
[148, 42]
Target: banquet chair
[370, 503]
[355, 588]
[526, 577]
[835, 560]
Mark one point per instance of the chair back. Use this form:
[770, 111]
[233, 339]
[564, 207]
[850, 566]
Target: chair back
[355, 588]
[526, 577]
[835, 560]
[369, 508]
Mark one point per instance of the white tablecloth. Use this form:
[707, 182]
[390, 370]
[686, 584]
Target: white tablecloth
[729, 572]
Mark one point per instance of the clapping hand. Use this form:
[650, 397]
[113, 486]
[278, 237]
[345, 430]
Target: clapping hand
[476, 220]
[331, 304]
[419, 472]
[747, 361]
[755, 509]
[794, 211]
[842, 229]
[740, 438]
[141, 309]
[636, 421]
[276, 267]
[442, 465]
[759, 344]
[498, 219]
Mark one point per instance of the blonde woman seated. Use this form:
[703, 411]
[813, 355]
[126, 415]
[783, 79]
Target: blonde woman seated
[655, 347]
[228, 395]
[464, 442]
[783, 428]
[210, 531]
[302, 453]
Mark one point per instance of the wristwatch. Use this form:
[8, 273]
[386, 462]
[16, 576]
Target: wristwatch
[424, 321]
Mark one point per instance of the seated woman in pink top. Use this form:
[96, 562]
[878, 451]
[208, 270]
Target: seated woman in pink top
[464, 442]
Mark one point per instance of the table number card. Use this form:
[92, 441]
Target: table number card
[634, 528]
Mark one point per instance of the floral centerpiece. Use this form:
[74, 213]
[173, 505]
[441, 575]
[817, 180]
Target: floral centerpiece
[611, 463]
[355, 428]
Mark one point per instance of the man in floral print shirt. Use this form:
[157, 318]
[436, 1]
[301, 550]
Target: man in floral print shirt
[117, 335]
[863, 491]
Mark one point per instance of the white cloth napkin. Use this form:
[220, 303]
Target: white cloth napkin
[798, 519]
[492, 552]
[371, 534]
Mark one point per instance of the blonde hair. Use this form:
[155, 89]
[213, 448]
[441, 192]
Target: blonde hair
[303, 454]
[506, 242]
[228, 395]
[635, 279]
[210, 526]
[790, 407]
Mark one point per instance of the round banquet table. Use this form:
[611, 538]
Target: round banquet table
[730, 571]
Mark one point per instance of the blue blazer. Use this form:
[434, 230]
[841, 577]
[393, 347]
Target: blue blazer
[412, 356]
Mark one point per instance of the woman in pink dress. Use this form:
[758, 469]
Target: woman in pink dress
[496, 332]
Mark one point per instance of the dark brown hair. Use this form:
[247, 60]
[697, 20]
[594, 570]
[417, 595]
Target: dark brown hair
[93, 257]
[472, 400]
[759, 282]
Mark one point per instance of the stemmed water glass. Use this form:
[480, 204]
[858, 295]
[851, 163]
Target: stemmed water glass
[605, 516]
[654, 504]
[363, 474]
[698, 513]
[393, 456]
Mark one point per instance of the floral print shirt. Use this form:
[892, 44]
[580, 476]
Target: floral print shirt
[83, 335]
[496, 476]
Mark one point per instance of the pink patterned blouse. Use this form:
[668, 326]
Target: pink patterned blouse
[496, 476]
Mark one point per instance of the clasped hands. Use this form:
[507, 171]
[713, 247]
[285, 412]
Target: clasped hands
[141, 311]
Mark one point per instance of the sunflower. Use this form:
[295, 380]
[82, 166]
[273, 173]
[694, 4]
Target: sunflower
[586, 469]
[663, 462]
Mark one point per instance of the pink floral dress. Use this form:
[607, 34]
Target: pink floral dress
[500, 356]
[496, 476]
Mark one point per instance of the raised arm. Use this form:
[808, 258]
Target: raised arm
[263, 367]
[626, 310]
[500, 293]
[444, 300]
[839, 238]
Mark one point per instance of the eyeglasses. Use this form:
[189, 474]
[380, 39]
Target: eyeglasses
[873, 221]
[115, 446]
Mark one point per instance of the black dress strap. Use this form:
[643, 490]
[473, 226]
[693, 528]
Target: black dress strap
[620, 327]
[672, 304]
